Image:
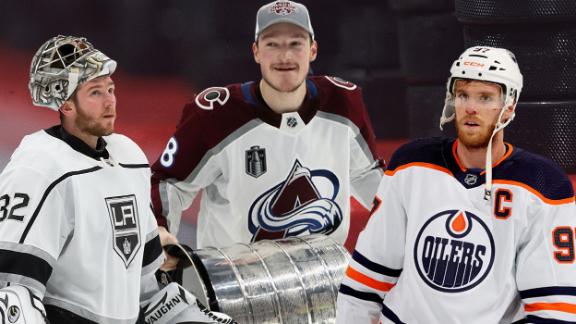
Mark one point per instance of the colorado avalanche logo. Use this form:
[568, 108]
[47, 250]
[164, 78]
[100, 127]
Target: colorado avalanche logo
[454, 251]
[283, 8]
[296, 207]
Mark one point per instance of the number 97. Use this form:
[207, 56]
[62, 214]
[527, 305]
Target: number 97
[563, 239]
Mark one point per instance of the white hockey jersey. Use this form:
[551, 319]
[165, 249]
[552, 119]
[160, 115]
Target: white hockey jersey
[434, 251]
[266, 175]
[76, 229]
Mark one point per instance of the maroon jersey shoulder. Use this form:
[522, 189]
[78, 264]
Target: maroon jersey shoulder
[217, 104]
[214, 114]
[344, 98]
[340, 97]
[218, 112]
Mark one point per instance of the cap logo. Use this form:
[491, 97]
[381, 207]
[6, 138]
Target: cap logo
[283, 8]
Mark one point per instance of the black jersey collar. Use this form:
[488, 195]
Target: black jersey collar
[78, 145]
[252, 94]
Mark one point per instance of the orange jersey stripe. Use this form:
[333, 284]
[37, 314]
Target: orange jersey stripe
[418, 164]
[536, 192]
[562, 307]
[367, 281]
[509, 150]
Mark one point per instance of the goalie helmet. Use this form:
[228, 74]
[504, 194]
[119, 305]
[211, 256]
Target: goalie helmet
[61, 65]
[484, 63]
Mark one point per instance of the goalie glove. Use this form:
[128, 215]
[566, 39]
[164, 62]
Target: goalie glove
[174, 305]
[19, 306]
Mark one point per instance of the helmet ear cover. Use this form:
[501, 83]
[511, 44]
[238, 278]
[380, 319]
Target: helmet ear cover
[61, 65]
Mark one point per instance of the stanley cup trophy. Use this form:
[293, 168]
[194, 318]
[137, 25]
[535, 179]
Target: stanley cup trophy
[292, 280]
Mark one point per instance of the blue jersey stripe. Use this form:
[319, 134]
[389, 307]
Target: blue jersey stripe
[373, 266]
[389, 314]
[540, 320]
[548, 291]
[346, 290]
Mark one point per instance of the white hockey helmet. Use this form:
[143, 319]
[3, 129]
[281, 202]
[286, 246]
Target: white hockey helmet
[61, 65]
[484, 63]
[489, 64]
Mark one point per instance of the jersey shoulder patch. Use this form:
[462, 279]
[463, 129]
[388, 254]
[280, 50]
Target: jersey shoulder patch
[331, 84]
[212, 98]
[212, 101]
[341, 83]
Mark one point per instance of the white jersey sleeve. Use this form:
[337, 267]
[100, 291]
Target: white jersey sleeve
[33, 226]
[377, 260]
[546, 268]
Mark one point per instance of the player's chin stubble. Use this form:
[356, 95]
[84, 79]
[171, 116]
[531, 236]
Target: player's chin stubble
[479, 142]
[278, 89]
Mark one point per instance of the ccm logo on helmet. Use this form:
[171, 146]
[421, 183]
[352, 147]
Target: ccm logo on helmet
[472, 63]
[454, 251]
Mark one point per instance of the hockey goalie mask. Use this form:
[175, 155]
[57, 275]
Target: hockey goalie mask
[61, 65]
[484, 63]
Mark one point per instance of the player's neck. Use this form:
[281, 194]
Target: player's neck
[89, 139]
[282, 102]
[475, 158]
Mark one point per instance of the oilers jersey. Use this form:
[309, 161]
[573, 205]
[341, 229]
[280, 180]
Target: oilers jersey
[435, 251]
[76, 225]
[266, 175]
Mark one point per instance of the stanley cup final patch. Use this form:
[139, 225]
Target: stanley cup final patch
[256, 161]
[123, 212]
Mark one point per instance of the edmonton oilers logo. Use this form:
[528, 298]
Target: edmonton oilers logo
[454, 251]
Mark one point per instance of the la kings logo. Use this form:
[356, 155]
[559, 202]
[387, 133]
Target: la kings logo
[454, 251]
[123, 212]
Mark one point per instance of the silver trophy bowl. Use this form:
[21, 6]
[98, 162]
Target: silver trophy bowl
[293, 280]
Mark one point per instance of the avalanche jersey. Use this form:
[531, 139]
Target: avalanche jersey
[76, 224]
[266, 175]
[435, 251]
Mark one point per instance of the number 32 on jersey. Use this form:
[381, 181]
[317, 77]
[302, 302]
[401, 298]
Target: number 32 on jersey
[9, 206]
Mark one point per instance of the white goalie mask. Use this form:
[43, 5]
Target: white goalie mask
[484, 63]
[61, 65]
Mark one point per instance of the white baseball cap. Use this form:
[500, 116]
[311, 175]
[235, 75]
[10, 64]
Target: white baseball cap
[283, 11]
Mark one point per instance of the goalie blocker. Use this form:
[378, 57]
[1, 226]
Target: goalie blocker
[18, 305]
[171, 305]
[174, 305]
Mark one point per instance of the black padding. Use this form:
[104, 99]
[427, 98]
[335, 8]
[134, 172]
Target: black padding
[546, 128]
[545, 53]
[425, 104]
[368, 39]
[428, 46]
[421, 5]
[513, 11]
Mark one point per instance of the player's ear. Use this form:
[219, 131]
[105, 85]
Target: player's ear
[509, 111]
[313, 51]
[256, 52]
[67, 107]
